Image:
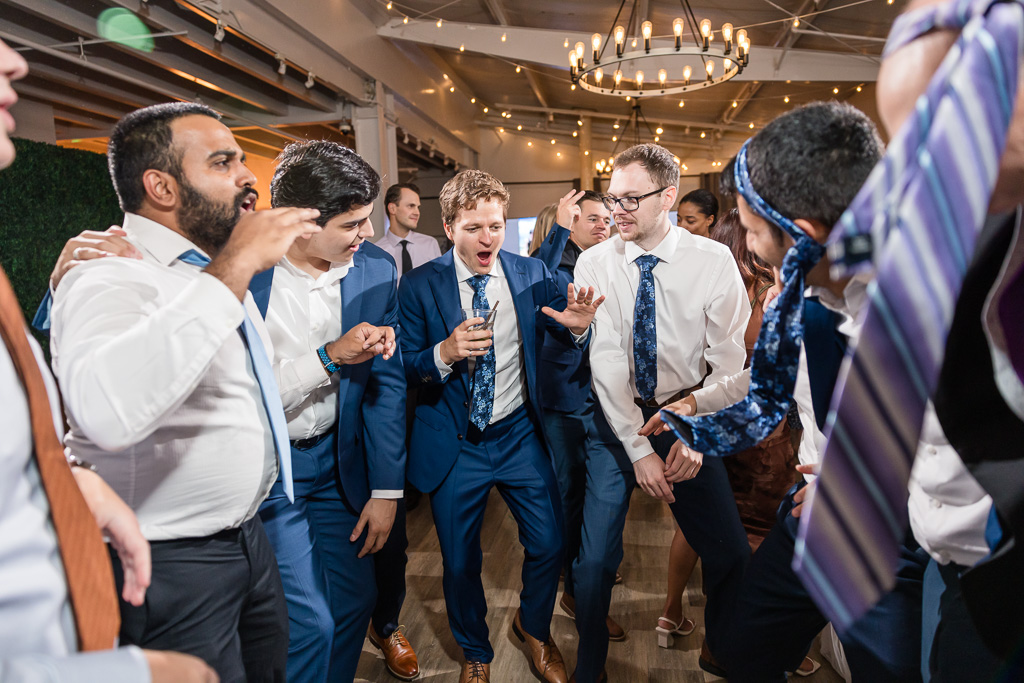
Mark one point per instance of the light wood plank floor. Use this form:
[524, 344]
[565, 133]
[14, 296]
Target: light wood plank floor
[636, 604]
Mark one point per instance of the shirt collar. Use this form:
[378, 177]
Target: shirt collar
[665, 250]
[336, 273]
[159, 241]
[463, 272]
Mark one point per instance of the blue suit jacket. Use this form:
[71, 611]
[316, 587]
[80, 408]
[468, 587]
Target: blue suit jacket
[565, 371]
[430, 308]
[371, 395]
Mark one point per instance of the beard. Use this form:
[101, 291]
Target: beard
[207, 222]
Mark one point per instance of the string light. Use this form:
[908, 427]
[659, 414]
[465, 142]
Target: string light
[575, 133]
[786, 99]
[558, 154]
[405, 20]
[518, 68]
[485, 110]
[796, 22]
[451, 89]
[462, 48]
[552, 141]
[615, 138]
[751, 124]
[389, 6]
[519, 127]
[735, 104]
[439, 22]
[566, 43]
[504, 37]
[501, 130]
[659, 130]
[859, 88]
[682, 104]
[703, 134]
[835, 91]
[472, 100]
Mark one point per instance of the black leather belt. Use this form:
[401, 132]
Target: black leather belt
[305, 444]
[679, 395]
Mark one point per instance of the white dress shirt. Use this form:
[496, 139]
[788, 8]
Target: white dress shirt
[509, 371]
[38, 641]
[159, 386]
[422, 248]
[701, 311]
[304, 313]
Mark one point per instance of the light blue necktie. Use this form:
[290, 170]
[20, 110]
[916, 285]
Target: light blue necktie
[645, 330]
[916, 220]
[483, 374]
[268, 386]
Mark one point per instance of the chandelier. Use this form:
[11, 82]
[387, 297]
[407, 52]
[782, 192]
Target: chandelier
[623, 74]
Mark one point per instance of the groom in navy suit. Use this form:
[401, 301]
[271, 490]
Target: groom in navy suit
[477, 423]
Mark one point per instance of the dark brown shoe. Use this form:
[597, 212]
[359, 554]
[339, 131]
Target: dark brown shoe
[475, 672]
[615, 632]
[544, 657]
[708, 662]
[398, 654]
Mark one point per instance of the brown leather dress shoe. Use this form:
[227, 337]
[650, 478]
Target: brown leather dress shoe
[708, 662]
[615, 632]
[398, 654]
[544, 657]
[475, 672]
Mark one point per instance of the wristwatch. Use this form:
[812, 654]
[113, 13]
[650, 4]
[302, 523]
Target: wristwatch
[329, 365]
[75, 461]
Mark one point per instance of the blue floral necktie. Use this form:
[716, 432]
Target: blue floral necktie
[776, 356]
[483, 375]
[645, 330]
[264, 372]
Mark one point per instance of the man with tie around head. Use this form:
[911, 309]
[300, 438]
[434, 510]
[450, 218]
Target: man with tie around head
[332, 311]
[477, 424]
[409, 248]
[169, 389]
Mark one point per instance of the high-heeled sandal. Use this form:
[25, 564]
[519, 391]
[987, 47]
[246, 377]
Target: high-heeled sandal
[666, 635]
[807, 672]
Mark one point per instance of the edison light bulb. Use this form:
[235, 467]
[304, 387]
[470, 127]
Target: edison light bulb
[677, 27]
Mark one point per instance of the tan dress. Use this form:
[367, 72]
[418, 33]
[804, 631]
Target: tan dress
[761, 476]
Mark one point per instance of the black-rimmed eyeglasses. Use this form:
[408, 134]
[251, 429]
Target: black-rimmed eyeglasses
[628, 204]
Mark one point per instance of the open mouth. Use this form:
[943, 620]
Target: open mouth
[249, 203]
[484, 258]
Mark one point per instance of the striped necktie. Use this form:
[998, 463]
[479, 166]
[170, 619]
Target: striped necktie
[264, 372]
[915, 220]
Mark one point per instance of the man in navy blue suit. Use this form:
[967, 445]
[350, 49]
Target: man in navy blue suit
[573, 421]
[477, 424]
[332, 311]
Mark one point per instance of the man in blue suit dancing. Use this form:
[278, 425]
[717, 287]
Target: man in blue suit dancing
[477, 424]
[332, 310]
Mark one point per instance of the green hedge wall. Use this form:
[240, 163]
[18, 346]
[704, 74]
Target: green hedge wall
[48, 195]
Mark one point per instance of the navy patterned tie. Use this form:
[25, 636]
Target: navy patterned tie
[773, 365]
[645, 330]
[264, 372]
[483, 375]
[916, 220]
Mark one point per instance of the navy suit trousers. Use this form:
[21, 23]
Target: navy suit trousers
[704, 509]
[510, 456]
[330, 591]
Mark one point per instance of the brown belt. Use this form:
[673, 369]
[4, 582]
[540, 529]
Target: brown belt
[678, 396]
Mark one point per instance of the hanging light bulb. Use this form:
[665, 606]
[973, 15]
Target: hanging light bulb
[662, 77]
[504, 37]
[703, 135]
[727, 37]
[682, 104]
[620, 39]
[677, 31]
[687, 72]
[599, 76]
[639, 80]
[615, 138]
[595, 42]
[647, 28]
[705, 32]
[472, 100]
[859, 88]
[835, 91]
[657, 139]
[439, 23]
[710, 68]
[796, 22]
[518, 68]
[615, 125]
[579, 52]
[735, 104]
[618, 77]
[529, 144]
[405, 20]
[462, 48]
[486, 110]
[786, 99]
[751, 125]
[389, 6]
[552, 141]
[566, 43]
[659, 130]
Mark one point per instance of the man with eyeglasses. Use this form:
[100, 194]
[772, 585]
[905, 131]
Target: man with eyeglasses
[675, 315]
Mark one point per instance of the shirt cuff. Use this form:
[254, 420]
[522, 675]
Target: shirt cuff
[388, 494]
[442, 368]
[310, 372]
[579, 339]
[638, 447]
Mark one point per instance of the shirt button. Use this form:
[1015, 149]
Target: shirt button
[931, 450]
[936, 504]
[944, 556]
[459, 437]
[465, 404]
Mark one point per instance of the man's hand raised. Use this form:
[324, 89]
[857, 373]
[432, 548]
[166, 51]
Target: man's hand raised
[362, 343]
[579, 313]
[568, 211]
[258, 241]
